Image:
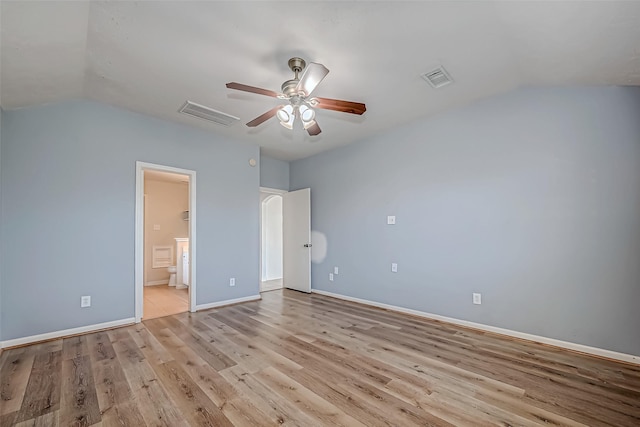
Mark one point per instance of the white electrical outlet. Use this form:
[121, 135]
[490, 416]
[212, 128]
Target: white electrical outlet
[477, 298]
[391, 219]
[85, 301]
[156, 227]
[232, 281]
[394, 267]
[331, 277]
[335, 270]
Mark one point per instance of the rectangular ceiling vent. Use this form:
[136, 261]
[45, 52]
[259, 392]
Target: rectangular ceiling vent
[205, 113]
[438, 77]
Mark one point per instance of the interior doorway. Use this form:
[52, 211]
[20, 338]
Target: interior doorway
[271, 239]
[165, 241]
[166, 244]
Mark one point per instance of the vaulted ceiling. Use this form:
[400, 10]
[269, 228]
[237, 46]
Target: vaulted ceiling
[150, 57]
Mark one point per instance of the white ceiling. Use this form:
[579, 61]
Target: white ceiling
[152, 56]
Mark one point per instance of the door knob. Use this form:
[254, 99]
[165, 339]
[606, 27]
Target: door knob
[307, 245]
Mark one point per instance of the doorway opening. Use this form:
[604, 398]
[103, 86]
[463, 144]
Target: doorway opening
[271, 239]
[165, 241]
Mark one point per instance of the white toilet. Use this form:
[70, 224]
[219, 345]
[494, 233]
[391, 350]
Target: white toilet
[172, 278]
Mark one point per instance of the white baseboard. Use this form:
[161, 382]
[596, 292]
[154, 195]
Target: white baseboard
[157, 282]
[227, 302]
[66, 332]
[630, 358]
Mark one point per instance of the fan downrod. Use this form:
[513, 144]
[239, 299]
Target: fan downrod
[289, 87]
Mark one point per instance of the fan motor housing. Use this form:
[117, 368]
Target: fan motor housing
[289, 87]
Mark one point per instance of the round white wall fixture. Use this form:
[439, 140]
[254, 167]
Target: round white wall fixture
[252, 162]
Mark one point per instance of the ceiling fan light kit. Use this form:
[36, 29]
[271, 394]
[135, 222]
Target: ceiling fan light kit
[306, 113]
[298, 92]
[286, 115]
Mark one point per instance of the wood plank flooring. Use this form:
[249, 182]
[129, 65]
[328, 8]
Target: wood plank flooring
[307, 360]
[164, 300]
[270, 285]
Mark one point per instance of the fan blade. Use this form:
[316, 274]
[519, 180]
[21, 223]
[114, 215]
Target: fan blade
[312, 76]
[314, 129]
[339, 105]
[252, 89]
[264, 117]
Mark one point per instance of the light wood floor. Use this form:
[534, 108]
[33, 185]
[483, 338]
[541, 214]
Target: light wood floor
[164, 300]
[270, 285]
[308, 360]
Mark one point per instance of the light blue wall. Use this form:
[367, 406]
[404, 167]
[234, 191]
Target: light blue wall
[274, 173]
[68, 188]
[531, 198]
[1, 308]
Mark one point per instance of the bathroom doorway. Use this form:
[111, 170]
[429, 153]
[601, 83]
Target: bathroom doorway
[271, 239]
[165, 234]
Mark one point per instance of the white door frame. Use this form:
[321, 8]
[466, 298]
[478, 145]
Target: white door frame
[266, 190]
[139, 233]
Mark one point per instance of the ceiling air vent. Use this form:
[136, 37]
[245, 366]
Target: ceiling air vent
[205, 113]
[438, 77]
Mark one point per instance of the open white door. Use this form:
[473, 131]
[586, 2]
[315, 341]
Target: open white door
[296, 230]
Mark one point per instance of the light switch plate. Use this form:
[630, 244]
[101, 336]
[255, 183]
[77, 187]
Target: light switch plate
[335, 270]
[394, 267]
[331, 277]
[85, 301]
[477, 298]
[391, 219]
[232, 281]
[156, 227]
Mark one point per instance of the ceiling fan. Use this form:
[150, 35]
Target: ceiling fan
[298, 92]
